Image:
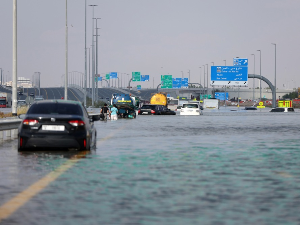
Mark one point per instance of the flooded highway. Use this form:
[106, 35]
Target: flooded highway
[224, 167]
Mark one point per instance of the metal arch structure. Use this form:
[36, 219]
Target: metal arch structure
[270, 85]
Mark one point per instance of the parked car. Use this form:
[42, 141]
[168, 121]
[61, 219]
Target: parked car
[150, 110]
[155, 110]
[57, 124]
[167, 111]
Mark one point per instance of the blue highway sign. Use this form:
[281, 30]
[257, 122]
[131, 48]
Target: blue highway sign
[221, 95]
[176, 82]
[144, 77]
[113, 75]
[184, 82]
[229, 75]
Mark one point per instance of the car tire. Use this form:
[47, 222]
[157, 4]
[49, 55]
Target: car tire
[19, 145]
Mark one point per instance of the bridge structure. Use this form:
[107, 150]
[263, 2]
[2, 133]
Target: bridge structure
[77, 93]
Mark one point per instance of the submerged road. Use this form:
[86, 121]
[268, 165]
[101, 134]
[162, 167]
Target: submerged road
[225, 167]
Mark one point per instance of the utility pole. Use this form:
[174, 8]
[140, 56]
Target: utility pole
[14, 77]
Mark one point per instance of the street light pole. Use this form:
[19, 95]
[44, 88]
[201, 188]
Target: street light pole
[203, 80]
[200, 77]
[275, 72]
[85, 57]
[207, 80]
[1, 77]
[93, 59]
[259, 74]
[225, 61]
[66, 76]
[14, 77]
[253, 78]
[96, 58]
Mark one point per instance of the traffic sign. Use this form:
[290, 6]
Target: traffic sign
[176, 82]
[138, 87]
[229, 75]
[144, 77]
[99, 78]
[221, 95]
[113, 75]
[240, 62]
[184, 82]
[107, 76]
[136, 76]
[166, 81]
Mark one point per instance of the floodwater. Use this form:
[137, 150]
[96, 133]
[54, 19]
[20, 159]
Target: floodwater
[224, 167]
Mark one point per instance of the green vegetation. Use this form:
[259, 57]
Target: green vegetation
[291, 95]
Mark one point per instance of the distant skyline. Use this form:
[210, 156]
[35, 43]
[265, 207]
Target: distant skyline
[154, 38]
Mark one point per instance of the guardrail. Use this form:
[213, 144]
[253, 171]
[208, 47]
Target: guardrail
[9, 127]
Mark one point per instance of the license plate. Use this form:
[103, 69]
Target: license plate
[53, 127]
[145, 113]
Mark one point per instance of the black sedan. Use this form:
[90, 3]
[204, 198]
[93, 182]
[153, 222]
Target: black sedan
[57, 124]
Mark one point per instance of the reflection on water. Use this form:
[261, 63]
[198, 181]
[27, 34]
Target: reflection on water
[224, 167]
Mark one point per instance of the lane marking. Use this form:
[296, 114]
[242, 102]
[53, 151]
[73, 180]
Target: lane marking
[8, 208]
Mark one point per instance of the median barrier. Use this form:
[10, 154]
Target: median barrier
[9, 127]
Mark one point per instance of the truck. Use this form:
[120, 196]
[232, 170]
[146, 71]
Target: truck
[125, 104]
[173, 103]
[5, 100]
[159, 99]
[211, 103]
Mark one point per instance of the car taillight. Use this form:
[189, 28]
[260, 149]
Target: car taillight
[76, 123]
[152, 111]
[139, 111]
[30, 122]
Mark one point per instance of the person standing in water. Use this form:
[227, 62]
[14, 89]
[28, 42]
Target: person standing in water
[104, 110]
[114, 113]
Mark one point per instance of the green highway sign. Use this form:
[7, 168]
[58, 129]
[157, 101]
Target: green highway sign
[107, 76]
[136, 76]
[166, 81]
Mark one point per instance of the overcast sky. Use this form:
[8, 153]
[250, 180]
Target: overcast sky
[154, 37]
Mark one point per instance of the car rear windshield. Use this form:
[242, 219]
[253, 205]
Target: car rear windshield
[190, 106]
[148, 107]
[55, 108]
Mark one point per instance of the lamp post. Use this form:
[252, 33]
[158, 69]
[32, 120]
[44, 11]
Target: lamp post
[14, 76]
[275, 71]
[96, 58]
[85, 57]
[66, 63]
[225, 61]
[93, 59]
[253, 78]
[207, 80]
[259, 74]
[204, 79]
[200, 77]
[1, 77]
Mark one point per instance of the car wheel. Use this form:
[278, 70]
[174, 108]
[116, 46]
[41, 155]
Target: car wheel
[88, 144]
[20, 148]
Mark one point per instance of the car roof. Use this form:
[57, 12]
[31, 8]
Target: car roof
[59, 101]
